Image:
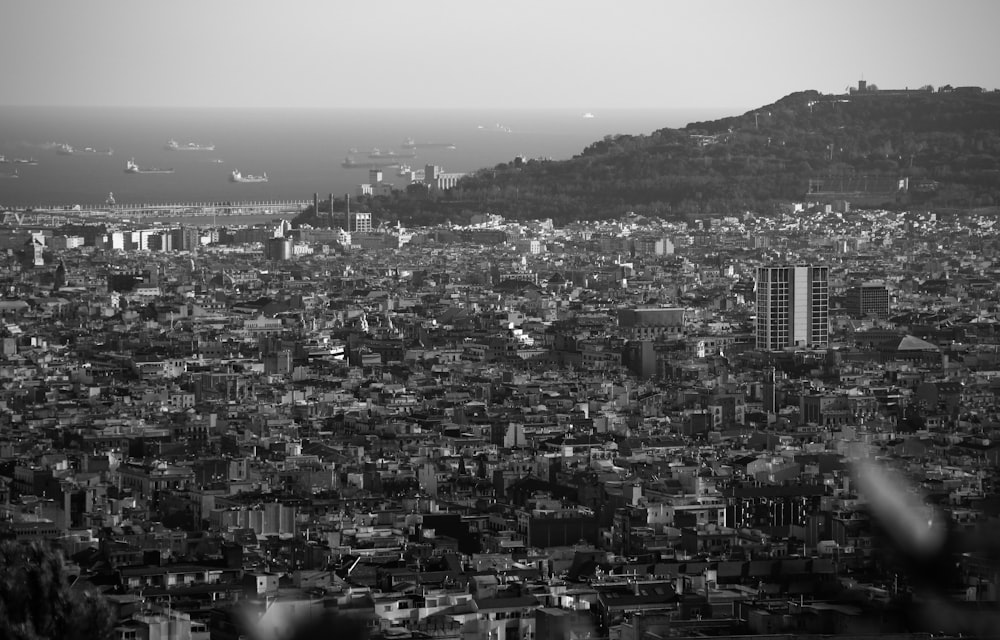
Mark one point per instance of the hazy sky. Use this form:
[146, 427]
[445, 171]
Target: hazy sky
[478, 53]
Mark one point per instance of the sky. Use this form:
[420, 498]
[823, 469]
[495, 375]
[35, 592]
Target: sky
[582, 54]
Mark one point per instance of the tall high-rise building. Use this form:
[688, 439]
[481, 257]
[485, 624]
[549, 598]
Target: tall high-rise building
[793, 307]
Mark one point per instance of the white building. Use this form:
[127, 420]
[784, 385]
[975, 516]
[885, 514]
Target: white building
[360, 222]
[436, 179]
[793, 307]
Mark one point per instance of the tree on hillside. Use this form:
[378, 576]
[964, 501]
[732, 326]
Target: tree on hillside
[37, 601]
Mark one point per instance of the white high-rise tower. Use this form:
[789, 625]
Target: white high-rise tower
[793, 307]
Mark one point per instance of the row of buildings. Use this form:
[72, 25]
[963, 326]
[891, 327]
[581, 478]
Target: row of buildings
[433, 177]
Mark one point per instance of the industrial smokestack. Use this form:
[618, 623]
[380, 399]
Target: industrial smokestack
[347, 222]
[333, 216]
[316, 204]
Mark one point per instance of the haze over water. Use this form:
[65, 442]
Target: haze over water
[301, 150]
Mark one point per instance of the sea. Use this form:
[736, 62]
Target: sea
[301, 150]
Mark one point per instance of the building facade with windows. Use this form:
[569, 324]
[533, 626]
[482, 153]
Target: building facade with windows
[868, 300]
[793, 307]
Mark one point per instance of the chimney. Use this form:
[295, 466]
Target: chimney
[347, 222]
[316, 204]
[332, 215]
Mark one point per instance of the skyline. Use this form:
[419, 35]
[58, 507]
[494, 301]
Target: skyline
[450, 54]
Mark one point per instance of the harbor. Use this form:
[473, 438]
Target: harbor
[54, 215]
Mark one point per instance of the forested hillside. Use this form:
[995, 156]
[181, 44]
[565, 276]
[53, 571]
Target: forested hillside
[946, 142]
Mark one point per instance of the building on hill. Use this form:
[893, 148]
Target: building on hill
[435, 178]
[865, 89]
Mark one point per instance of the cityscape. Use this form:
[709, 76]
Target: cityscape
[529, 322]
[500, 429]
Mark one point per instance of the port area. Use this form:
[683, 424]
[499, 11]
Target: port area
[156, 212]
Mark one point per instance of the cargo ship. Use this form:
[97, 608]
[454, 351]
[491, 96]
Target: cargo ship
[410, 143]
[69, 150]
[6, 176]
[236, 176]
[351, 163]
[173, 145]
[5, 160]
[378, 153]
[132, 167]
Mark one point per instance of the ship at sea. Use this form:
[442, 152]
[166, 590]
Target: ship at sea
[173, 145]
[132, 167]
[236, 176]
[410, 143]
[351, 163]
[378, 153]
[69, 150]
[12, 175]
[6, 160]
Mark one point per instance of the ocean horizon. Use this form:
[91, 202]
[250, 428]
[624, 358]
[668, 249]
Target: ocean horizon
[301, 150]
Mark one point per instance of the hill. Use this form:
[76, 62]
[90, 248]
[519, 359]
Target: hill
[873, 148]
